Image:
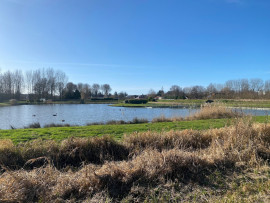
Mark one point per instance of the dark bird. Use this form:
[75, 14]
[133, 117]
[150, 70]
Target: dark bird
[63, 120]
[34, 115]
[55, 114]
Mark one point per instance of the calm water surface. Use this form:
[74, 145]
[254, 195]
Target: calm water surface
[81, 114]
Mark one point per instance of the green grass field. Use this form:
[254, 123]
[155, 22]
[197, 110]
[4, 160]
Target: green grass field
[4, 104]
[116, 131]
[198, 102]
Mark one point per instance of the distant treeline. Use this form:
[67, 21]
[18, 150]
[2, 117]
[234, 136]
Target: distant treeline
[232, 89]
[48, 84]
[53, 84]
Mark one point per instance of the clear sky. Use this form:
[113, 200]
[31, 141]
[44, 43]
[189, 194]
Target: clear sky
[135, 45]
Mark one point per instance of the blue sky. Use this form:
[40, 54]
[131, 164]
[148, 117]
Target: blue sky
[135, 45]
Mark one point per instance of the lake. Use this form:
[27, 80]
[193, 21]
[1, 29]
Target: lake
[81, 114]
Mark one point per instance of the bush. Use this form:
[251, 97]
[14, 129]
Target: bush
[152, 99]
[33, 125]
[99, 99]
[13, 101]
[136, 101]
[56, 125]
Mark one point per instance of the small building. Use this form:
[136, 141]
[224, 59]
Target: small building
[158, 98]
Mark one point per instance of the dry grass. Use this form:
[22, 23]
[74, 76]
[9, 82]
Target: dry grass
[69, 153]
[214, 112]
[106, 170]
[208, 111]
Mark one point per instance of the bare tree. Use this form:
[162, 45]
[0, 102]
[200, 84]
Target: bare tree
[256, 86]
[122, 95]
[211, 90]
[197, 92]
[18, 83]
[29, 81]
[244, 85]
[51, 81]
[95, 89]
[61, 81]
[176, 91]
[106, 88]
[8, 83]
[84, 89]
[151, 93]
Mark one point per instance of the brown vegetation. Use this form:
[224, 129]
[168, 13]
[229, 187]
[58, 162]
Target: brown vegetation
[208, 111]
[101, 169]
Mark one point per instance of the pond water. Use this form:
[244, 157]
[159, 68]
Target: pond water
[81, 114]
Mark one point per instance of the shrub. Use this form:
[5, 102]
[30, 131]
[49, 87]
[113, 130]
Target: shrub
[33, 125]
[56, 125]
[139, 120]
[13, 101]
[136, 101]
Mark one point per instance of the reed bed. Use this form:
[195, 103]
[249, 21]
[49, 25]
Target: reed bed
[208, 111]
[102, 169]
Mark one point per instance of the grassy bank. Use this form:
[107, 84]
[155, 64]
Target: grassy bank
[217, 165]
[187, 103]
[4, 104]
[157, 105]
[116, 131]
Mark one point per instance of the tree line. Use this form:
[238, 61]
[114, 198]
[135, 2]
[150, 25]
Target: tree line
[254, 88]
[48, 84]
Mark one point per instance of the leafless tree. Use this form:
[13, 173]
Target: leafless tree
[152, 93]
[106, 88]
[211, 90]
[61, 81]
[176, 91]
[197, 92]
[18, 83]
[51, 81]
[256, 86]
[95, 89]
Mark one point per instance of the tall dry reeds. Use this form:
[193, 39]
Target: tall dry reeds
[72, 152]
[110, 170]
[208, 111]
[213, 111]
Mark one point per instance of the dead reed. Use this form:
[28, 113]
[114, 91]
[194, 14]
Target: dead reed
[209, 111]
[106, 170]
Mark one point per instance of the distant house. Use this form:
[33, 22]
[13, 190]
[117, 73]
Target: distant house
[131, 96]
[158, 98]
[142, 96]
